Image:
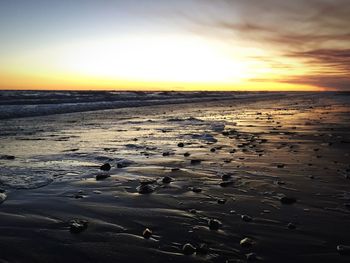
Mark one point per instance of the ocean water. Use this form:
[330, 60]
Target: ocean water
[14, 104]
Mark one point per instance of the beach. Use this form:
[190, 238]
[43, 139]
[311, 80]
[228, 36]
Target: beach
[231, 178]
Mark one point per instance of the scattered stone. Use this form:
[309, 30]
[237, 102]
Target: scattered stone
[175, 169]
[102, 176]
[180, 144]
[226, 183]
[77, 225]
[3, 197]
[291, 226]
[188, 249]
[186, 154]
[214, 224]
[193, 211]
[105, 167]
[280, 165]
[167, 179]
[287, 200]
[7, 157]
[202, 249]
[246, 242]
[195, 162]
[343, 250]
[251, 256]
[212, 150]
[166, 153]
[246, 218]
[222, 201]
[145, 189]
[147, 233]
[196, 189]
[226, 176]
[121, 165]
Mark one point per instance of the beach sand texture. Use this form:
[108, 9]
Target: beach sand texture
[258, 179]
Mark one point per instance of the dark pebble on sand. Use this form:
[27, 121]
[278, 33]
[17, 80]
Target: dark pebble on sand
[77, 225]
[188, 249]
[343, 250]
[246, 242]
[280, 165]
[221, 201]
[226, 183]
[214, 224]
[8, 157]
[145, 189]
[195, 161]
[287, 200]
[102, 176]
[291, 226]
[202, 249]
[246, 218]
[105, 167]
[147, 233]
[3, 197]
[196, 189]
[180, 144]
[212, 150]
[121, 165]
[186, 154]
[251, 256]
[167, 179]
[226, 176]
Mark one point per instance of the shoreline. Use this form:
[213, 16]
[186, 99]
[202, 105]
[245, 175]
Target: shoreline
[244, 157]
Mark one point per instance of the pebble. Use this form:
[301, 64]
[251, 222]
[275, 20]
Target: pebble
[147, 233]
[246, 242]
[3, 197]
[221, 201]
[186, 154]
[343, 250]
[287, 200]
[251, 256]
[105, 167]
[102, 176]
[246, 218]
[291, 226]
[167, 179]
[196, 189]
[202, 249]
[145, 189]
[226, 177]
[78, 225]
[188, 249]
[8, 157]
[214, 224]
[226, 183]
[280, 165]
[195, 161]
[180, 144]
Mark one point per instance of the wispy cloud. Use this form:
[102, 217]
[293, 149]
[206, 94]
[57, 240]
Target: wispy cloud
[314, 33]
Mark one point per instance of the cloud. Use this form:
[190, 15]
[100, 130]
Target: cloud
[315, 33]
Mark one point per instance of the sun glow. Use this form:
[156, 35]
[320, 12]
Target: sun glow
[167, 59]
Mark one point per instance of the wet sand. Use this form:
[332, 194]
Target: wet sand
[250, 180]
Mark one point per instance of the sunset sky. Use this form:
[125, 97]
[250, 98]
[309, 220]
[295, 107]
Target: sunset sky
[175, 45]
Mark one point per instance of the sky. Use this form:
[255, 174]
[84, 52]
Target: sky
[175, 45]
